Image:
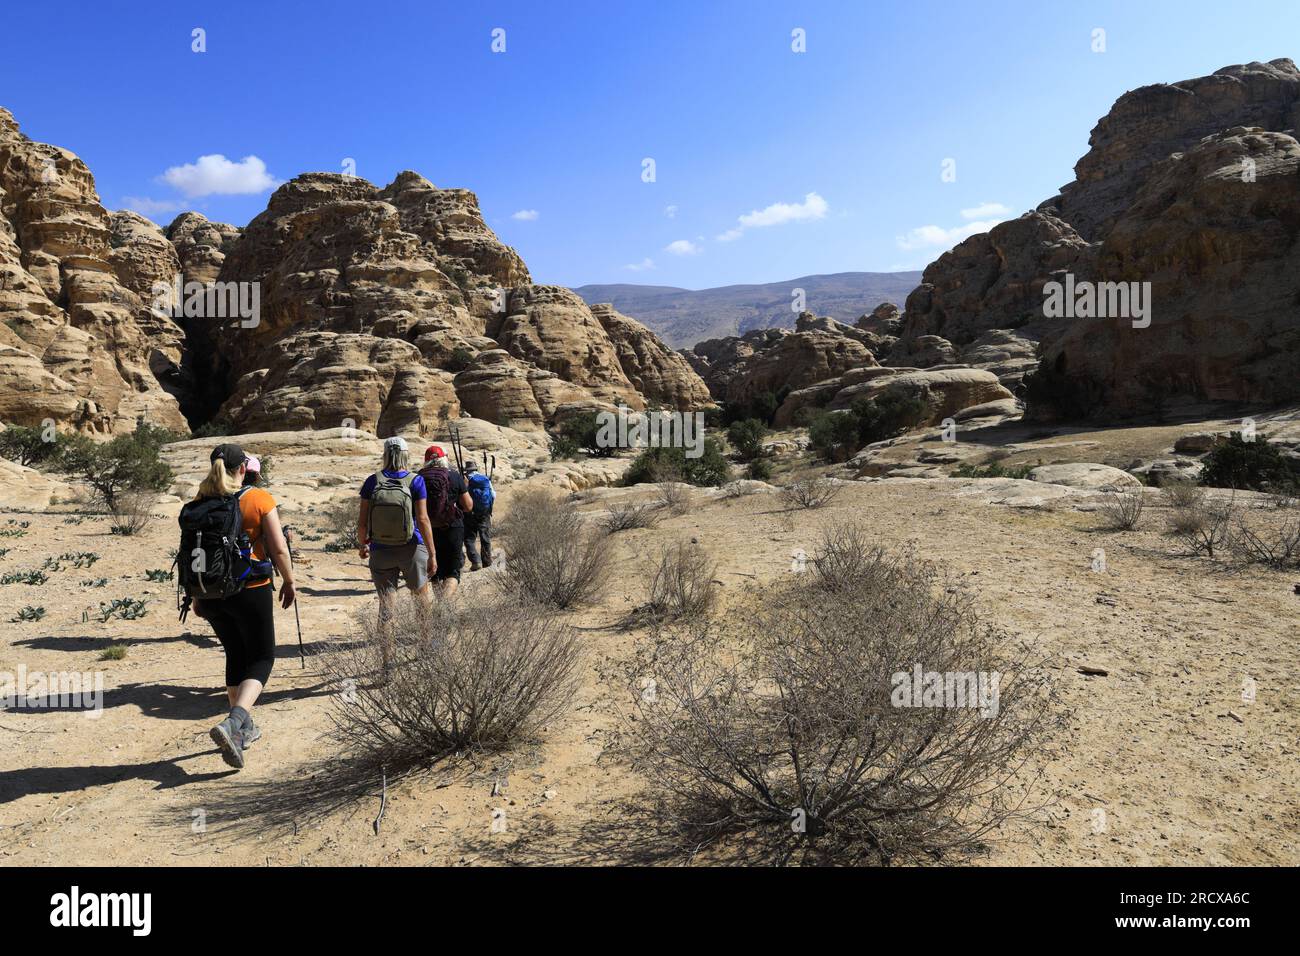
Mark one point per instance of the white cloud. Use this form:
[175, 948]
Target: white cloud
[986, 210]
[670, 212]
[778, 214]
[937, 237]
[216, 175]
[643, 266]
[525, 215]
[682, 247]
[152, 207]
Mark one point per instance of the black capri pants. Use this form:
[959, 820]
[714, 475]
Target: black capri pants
[246, 629]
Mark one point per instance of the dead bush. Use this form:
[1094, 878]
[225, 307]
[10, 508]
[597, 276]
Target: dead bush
[554, 557]
[846, 559]
[673, 497]
[625, 517]
[470, 675]
[795, 727]
[682, 585]
[131, 512]
[1122, 510]
[809, 492]
[1276, 545]
[1206, 525]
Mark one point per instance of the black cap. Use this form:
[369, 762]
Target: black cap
[231, 455]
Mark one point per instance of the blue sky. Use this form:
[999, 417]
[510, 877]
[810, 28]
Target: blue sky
[833, 156]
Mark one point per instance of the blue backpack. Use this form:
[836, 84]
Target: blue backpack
[480, 489]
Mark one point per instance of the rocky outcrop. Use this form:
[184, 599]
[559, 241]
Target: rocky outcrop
[341, 305]
[1191, 187]
[78, 342]
[1149, 124]
[947, 392]
[662, 377]
[398, 308]
[778, 360]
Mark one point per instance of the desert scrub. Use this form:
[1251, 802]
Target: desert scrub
[94, 582]
[477, 675]
[681, 585]
[1253, 464]
[1122, 510]
[340, 524]
[28, 613]
[555, 559]
[80, 559]
[34, 578]
[158, 574]
[625, 517]
[788, 731]
[125, 609]
[809, 493]
[115, 653]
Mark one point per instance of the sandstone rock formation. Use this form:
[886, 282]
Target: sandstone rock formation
[341, 305]
[1189, 186]
[78, 342]
[398, 309]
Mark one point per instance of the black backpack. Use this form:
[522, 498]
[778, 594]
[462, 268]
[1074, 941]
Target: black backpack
[215, 558]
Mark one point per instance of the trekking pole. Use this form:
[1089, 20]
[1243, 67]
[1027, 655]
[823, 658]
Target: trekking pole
[302, 656]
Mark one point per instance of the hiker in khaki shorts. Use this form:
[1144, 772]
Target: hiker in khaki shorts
[393, 526]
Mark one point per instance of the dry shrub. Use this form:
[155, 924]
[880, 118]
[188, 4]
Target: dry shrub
[554, 558]
[1205, 526]
[682, 585]
[1185, 501]
[1276, 545]
[809, 492]
[737, 489]
[846, 560]
[1122, 510]
[784, 728]
[469, 675]
[625, 517]
[673, 497]
[131, 512]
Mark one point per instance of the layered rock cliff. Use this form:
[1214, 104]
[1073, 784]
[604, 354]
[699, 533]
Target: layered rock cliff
[342, 304]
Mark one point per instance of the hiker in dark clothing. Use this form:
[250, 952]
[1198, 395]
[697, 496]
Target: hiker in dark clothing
[448, 502]
[242, 621]
[478, 523]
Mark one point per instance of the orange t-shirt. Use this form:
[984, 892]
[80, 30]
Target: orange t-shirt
[254, 505]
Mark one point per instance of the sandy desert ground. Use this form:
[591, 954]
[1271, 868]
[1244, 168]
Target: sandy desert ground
[1185, 770]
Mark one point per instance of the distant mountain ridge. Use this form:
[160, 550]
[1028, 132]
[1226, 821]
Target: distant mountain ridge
[682, 317]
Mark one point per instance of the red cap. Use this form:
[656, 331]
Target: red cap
[434, 451]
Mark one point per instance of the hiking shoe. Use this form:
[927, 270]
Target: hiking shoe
[476, 567]
[252, 733]
[229, 739]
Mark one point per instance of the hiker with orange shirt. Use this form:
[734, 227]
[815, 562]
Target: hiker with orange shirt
[230, 540]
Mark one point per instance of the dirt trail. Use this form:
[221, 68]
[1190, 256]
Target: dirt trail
[1153, 746]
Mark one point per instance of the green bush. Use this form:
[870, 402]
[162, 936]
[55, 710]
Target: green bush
[461, 358]
[762, 406]
[1254, 465]
[577, 434]
[671, 464]
[760, 469]
[747, 437]
[127, 463]
[28, 446]
[837, 436]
